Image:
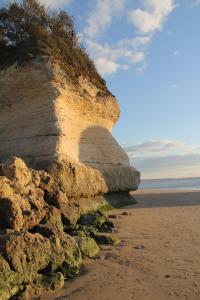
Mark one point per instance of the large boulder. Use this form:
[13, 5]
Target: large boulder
[88, 246]
[71, 177]
[16, 170]
[66, 254]
[26, 253]
[30, 262]
[19, 212]
[22, 204]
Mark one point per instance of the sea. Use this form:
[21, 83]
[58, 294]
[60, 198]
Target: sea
[171, 184]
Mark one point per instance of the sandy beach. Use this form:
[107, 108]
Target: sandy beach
[158, 259]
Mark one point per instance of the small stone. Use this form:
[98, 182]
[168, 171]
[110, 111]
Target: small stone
[113, 216]
[140, 247]
[101, 257]
[125, 213]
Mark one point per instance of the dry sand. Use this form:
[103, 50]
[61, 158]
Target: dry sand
[159, 257]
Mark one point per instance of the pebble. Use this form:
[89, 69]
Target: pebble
[140, 247]
[114, 217]
[125, 213]
[101, 257]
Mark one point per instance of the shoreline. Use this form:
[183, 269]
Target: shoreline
[163, 191]
[159, 257]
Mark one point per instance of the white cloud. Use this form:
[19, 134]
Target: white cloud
[177, 166]
[152, 16]
[138, 41]
[105, 66]
[56, 3]
[101, 16]
[165, 159]
[137, 57]
[161, 148]
[150, 148]
[124, 53]
[109, 59]
[127, 52]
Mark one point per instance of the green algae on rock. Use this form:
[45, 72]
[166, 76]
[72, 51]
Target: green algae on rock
[72, 255]
[106, 238]
[10, 282]
[87, 245]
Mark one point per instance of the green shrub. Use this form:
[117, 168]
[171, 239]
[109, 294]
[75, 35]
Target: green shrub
[28, 29]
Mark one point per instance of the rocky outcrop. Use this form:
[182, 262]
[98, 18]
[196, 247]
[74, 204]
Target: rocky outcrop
[44, 236]
[64, 129]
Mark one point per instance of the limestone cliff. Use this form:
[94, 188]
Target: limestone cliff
[64, 128]
[60, 166]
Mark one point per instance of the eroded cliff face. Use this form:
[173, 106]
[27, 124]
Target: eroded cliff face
[28, 125]
[64, 128]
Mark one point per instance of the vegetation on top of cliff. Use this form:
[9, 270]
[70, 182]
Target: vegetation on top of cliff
[28, 29]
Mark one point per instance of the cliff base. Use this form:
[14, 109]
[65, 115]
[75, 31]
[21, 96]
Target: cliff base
[44, 235]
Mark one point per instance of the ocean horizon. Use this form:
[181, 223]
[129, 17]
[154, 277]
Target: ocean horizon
[171, 184]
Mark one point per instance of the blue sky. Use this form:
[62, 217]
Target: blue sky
[149, 53]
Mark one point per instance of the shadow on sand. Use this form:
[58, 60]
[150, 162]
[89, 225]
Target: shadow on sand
[166, 199]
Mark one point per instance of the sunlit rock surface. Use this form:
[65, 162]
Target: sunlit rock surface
[64, 128]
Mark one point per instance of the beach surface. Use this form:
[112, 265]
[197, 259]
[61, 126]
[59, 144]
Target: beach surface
[158, 259]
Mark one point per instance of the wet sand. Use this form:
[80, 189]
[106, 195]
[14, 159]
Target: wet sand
[159, 257]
